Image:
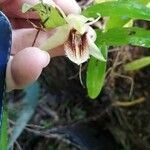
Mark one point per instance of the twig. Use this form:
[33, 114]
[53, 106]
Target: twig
[38, 31]
[77, 74]
[80, 75]
[28, 125]
[113, 50]
[130, 79]
[36, 36]
[128, 104]
[50, 112]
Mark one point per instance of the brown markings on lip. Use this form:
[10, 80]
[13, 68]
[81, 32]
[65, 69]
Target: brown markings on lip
[77, 41]
[83, 43]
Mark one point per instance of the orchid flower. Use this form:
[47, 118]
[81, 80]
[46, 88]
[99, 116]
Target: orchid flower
[77, 36]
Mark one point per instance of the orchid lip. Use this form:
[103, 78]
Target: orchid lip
[79, 47]
[76, 47]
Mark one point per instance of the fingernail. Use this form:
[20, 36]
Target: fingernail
[46, 58]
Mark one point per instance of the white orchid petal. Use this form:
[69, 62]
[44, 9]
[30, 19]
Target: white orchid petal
[79, 26]
[76, 17]
[95, 51]
[78, 22]
[58, 38]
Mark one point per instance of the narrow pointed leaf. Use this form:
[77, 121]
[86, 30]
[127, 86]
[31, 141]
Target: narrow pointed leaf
[4, 131]
[138, 64]
[30, 103]
[96, 74]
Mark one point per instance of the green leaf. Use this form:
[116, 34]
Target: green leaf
[126, 9]
[53, 19]
[49, 15]
[145, 2]
[30, 103]
[96, 74]
[3, 133]
[138, 64]
[116, 21]
[124, 36]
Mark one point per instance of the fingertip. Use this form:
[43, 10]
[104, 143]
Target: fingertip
[26, 67]
[69, 6]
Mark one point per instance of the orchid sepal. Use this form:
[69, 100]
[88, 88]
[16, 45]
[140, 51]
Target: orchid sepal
[57, 39]
[95, 51]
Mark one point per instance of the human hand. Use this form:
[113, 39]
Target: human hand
[26, 62]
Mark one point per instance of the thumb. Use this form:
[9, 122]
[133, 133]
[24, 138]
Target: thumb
[25, 67]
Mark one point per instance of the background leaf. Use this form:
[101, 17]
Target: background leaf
[30, 103]
[52, 18]
[124, 36]
[126, 9]
[116, 21]
[138, 64]
[4, 130]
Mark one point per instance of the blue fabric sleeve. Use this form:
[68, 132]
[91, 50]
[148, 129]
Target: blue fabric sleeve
[5, 47]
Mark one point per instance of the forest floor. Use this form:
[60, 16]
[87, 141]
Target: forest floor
[67, 119]
[119, 114]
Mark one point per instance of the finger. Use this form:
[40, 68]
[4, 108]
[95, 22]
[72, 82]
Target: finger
[58, 51]
[23, 38]
[26, 37]
[19, 23]
[68, 6]
[25, 67]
